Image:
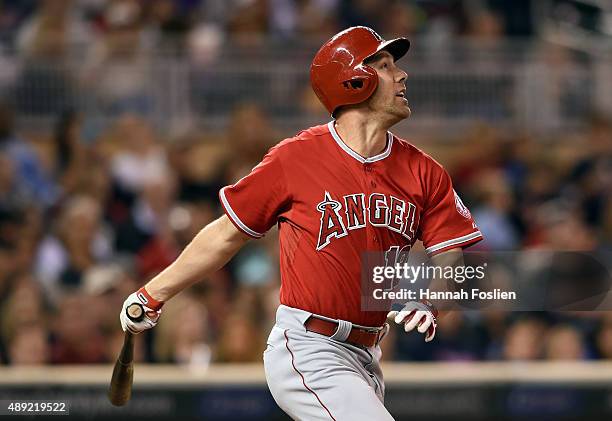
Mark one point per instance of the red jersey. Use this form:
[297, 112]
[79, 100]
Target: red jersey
[331, 205]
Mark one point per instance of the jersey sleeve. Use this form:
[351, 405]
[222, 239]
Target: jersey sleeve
[446, 223]
[255, 202]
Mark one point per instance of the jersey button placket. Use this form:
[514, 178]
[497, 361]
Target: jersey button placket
[370, 184]
[369, 171]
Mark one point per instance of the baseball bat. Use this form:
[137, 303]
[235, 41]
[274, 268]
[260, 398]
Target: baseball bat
[120, 389]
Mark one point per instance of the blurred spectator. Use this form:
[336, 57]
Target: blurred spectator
[460, 339]
[80, 241]
[7, 270]
[147, 189]
[518, 16]
[251, 133]
[486, 25]
[32, 180]
[190, 336]
[310, 104]
[241, 336]
[591, 177]
[107, 285]
[248, 21]
[198, 163]
[256, 265]
[402, 18]
[603, 339]
[562, 228]
[523, 340]
[54, 26]
[118, 65]
[554, 76]
[139, 156]
[370, 13]
[30, 346]
[204, 45]
[493, 215]
[310, 18]
[564, 342]
[241, 341]
[480, 152]
[151, 220]
[217, 299]
[183, 335]
[45, 84]
[12, 16]
[25, 306]
[10, 196]
[169, 21]
[70, 154]
[76, 339]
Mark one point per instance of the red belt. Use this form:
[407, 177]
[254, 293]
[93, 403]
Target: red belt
[358, 336]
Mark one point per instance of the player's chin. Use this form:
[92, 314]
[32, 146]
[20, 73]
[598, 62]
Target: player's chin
[407, 111]
[401, 108]
[402, 112]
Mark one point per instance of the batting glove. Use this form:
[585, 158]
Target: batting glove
[419, 314]
[151, 307]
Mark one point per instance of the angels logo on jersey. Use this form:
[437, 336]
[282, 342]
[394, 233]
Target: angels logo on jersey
[356, 210]
[461, 208]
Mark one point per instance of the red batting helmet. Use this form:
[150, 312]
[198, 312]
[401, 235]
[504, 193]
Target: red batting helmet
[337, 73]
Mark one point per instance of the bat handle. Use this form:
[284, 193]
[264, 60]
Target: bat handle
[135, 313]
[126, 356]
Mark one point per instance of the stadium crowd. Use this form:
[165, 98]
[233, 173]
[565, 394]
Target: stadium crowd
[85, 220]
[74, 21]
[82, 225]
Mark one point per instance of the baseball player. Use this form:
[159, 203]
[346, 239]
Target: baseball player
[335, 191]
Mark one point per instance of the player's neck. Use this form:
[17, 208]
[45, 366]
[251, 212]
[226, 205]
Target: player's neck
[366, 137]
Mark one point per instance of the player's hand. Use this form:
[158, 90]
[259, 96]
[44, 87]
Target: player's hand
[419, 314]
[151, 307]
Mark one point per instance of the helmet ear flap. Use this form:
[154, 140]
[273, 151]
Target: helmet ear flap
[355, 83]
[362, 84]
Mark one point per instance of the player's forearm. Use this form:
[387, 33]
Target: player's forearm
[451, 258]
[209, 251]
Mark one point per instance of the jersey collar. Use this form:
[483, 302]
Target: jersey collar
[345, 148]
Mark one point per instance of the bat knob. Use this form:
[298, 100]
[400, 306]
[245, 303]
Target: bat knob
[135, 312]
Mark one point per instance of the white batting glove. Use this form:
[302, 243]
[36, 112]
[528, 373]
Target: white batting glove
[151, 307]
[421, 315]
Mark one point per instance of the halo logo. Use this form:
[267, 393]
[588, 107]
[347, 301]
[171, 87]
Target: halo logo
[461, 208]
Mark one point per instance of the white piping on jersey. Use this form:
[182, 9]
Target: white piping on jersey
[235, 218]
[354, 154]
[452, 242]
